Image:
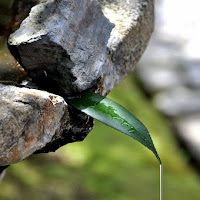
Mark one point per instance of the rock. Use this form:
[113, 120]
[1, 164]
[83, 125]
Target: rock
[191, 73]
[31, 119]
[75, 130]
[178, 101]
[159, 69]
[133, 27]
[188, 131]
[134, 22]
[20, 11]
[28, 120]
[156, 78]
[62, 44]
[66, 47]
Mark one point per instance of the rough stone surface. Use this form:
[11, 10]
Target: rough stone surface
[30, 119]
[75, 130]
[80, 56]
[134, 22]
[133, 27]
[191, 71]
[63, 44]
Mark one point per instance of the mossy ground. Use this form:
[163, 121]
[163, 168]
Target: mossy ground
[108, 165]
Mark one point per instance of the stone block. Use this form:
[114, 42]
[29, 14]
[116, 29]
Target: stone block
[66, 47]
[178, 101]
[62, 44]
[31, 119]
[69, 58]
[134, 23]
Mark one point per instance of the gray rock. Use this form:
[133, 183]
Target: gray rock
[77, 58]
[188, 131]
[28, 120]
[178, 101]
[155, 78]
[62, 44]
[31, 119]
[133, 27]
[159, 69]
[191, 73]
[134, 22]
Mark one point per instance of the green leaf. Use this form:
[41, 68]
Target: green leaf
[114, 115]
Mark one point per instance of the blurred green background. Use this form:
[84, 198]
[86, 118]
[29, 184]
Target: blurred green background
[107, 165]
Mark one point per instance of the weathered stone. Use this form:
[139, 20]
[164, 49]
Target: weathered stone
[28, 120]
[191, 73]
[159, 68]
[33, 120]
[188, 131]
[69, 55]
[62, 44]
[75, 130]
[134, 22]
[133, 27]
[158, 78]
[178, 101]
